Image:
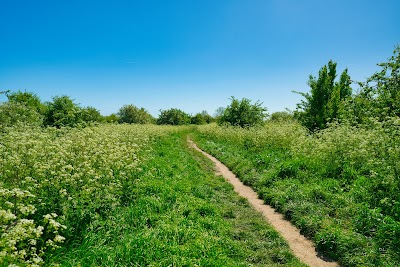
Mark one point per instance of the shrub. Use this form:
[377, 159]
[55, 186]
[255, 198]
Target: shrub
[133, 114]
[173, 116]
[63, 112]
[242, 113]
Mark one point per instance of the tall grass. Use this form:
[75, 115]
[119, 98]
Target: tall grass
[55, 182]
[340, 186]
[123, 195]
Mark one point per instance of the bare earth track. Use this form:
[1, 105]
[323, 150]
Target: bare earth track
[301, 246]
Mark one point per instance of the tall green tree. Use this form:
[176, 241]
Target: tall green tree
[325, 100]
[243, 113]
[133, 114]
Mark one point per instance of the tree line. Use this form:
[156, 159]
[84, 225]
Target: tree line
[62, 111]
[329, 100]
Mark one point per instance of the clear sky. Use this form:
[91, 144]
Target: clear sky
[188, 54]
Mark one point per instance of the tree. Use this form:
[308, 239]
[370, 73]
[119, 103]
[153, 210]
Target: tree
[325, 101]
[12, 113]
[21, 107]
[207, 117]
[198, 119]
[112, 118]
[91, 114]
[281, 116]
[219, 112]
[173, 116]
[27, 99]
[201, 118]
[132, 114]
[62, 111]
[379, 96]
[242, 113]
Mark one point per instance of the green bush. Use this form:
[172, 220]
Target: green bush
[173, 116]
[243, 113]
[133, 114]
[13, 113]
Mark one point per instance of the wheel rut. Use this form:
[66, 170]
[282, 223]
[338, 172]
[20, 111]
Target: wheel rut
[302, 247]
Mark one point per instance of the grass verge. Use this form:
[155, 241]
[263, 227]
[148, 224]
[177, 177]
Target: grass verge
[179, 214]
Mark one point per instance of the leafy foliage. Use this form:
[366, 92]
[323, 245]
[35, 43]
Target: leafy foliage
[325, 101]
[62, 111]
[243, 113]
[112, 118]
[12, 113]
[133, 114]
[21, 108]
[281, 116]
[379, 96]
[339, 185]
[201, 118]
[27, 99]
[173, 116]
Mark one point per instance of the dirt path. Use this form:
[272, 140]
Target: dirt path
[301, 246]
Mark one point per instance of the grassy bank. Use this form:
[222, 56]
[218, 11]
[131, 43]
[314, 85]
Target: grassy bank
[124, 196]
[340, 186]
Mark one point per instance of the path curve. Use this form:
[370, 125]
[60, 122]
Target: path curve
[302, 247]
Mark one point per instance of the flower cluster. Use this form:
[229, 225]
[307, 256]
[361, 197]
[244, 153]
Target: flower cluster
[54, 182]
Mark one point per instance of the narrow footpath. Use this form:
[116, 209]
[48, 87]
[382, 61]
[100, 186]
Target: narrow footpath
[302, 247]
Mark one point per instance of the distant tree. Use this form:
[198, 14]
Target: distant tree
[173, 116]
[90, 114]
[21, 108]
[133, 114]
[13, 113]
[112, 118]
[281, 116]
[62, 111]
[198, 119]
[243, 113]
[379, 96]
[207, 117]
[202, 118]
[219, 112]
[326, 99]
[27, 99]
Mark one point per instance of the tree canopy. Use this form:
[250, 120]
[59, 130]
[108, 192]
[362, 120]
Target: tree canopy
[325, 100]
[133, 114]
[243, 113]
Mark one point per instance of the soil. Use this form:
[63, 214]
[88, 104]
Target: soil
[302, 247]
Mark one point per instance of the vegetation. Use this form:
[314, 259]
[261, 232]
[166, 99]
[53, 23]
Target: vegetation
[281, 116]
[325, 101]
[379, 97]
[340, 186]
[242, 113]
[202, 118]
[98, 196]
[77, 192]
[132, 114]
[173, 116]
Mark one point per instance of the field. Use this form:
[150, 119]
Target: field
[123, 195]
[340, 186]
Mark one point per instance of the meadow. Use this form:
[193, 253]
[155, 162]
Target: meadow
[340, 186]
[123, 195]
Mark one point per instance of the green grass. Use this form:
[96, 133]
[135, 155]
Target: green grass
[342, 193]
[178, 213]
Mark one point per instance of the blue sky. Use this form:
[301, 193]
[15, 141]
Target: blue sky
[192, 55]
